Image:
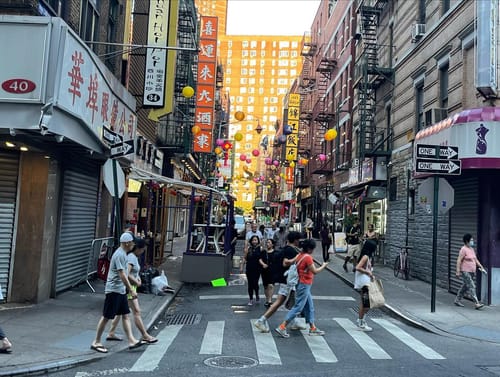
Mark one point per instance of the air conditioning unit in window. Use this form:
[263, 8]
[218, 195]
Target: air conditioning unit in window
[355, 162]
[435, 115]
[417, 32]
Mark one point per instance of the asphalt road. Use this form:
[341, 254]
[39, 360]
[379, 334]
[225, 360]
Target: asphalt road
[214, 336]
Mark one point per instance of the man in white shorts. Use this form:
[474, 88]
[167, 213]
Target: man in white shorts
[353, 245]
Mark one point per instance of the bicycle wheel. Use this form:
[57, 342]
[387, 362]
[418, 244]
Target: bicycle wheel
[396, 267]
[406, 272]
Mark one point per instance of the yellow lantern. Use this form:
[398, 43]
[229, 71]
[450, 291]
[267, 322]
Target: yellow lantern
[217, 164]
[196, 130]
[292, 164]
[238, 136]
[239, 115]
[289, 157]
[304, 161]
[330, 134]
[187, 92]
[218, 150]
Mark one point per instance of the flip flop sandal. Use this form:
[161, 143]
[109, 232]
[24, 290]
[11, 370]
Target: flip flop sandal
[140, 343]
[150, 341]
[100, 349]
[113, 339]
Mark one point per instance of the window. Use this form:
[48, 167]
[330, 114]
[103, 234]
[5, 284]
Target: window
[251, 90]
[283, 72]
[295, 44]
[243, 90]
[283, 63]
[228, 80]
[243, 80]
[251, 80]
[244, 71]
[294, 54]
[251, 72]
[421, 11]
[244, 53]
[253, 62]
[331, 5]
[284, 44]
[284, 54]
[443, 85]
[89, 21]
[445, 6]
[253, 54]
[393, 189]
[114, 9]
[411, 202]
[244, 62]
[419, 106]
[244, 44]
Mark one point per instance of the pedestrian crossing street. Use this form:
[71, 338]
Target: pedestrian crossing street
[267, 344]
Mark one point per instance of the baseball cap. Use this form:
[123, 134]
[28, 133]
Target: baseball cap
[126, 237]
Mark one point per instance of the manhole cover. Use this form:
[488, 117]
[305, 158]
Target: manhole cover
[231, 362]
[182, 319]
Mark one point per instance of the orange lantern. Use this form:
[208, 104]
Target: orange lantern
[239, 115]
[196, 130]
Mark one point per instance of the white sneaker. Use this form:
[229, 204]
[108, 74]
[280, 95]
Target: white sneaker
[261, 325]
[362, 326]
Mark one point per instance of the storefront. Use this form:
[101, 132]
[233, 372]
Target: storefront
[476, 210]
[55, 98]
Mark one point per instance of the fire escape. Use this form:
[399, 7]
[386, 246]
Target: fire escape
[322, 114]
[307, 88]
[369, 77]
[174, 131]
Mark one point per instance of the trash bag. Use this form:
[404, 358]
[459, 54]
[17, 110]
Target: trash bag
[159, 284]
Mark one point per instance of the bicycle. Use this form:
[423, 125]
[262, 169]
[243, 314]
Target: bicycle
[402, 263]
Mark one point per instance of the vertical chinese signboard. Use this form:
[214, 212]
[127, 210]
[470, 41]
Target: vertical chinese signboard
[292, 140]
[156, 58]
[205, 92]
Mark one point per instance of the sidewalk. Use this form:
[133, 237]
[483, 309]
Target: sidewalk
[410, 300]
[57, 334]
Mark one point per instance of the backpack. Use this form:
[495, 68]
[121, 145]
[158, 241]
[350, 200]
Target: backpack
[292, 274]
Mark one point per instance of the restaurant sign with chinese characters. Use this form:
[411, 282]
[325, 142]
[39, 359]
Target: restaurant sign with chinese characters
[49, 69]
[156, 57]
[89, 92]
[205, 89]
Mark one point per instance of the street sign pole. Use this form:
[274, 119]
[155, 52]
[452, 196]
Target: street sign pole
[434, 242]
[118, 220]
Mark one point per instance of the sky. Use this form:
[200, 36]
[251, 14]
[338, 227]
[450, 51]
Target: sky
[270, 17]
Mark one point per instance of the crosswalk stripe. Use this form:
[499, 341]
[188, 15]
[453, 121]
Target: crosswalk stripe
[409, 340]
[245, 297]
[319, 347]
[212, 340]
[364, 341]
[267, 352]
[150, 359]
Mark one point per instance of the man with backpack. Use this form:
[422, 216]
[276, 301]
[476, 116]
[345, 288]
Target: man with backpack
[287, 256]
[353, 245]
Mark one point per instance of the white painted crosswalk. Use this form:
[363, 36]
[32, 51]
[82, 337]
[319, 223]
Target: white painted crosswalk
[322, 349]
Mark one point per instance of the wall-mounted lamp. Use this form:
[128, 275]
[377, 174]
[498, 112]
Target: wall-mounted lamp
[12, 131]
[59, 138]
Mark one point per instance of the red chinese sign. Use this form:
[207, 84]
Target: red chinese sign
[205, 89]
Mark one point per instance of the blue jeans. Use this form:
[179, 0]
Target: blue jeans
[303, 304]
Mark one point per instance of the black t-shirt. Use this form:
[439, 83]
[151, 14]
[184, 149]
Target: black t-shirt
[354, 240]
[288, 252]
[253, 257]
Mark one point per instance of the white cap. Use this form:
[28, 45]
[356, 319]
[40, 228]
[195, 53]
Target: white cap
[126, 237]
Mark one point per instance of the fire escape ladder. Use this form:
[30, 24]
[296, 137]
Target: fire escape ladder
[370, 78]
[174, 129]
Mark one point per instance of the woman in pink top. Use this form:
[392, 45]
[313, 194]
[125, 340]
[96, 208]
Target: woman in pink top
[466, 266]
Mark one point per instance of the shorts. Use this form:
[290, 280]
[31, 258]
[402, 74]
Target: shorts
[134, 290]
[283, 290]
[365, 297]
[353, 250]
[115, 304]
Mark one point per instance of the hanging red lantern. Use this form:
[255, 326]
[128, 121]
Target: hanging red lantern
[255, 152]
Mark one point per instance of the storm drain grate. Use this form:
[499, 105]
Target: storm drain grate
[182, 319]
[231, 362]
[373, 313]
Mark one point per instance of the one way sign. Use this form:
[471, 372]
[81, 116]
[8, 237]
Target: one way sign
[122, 149]
[436, 166]
[437, 151]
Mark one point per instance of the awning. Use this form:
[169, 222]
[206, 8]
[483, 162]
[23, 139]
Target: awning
[476, 133]
[143, 175]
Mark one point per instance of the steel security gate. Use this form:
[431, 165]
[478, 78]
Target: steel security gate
[463, 219]
[77, 224]
[9, 171]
